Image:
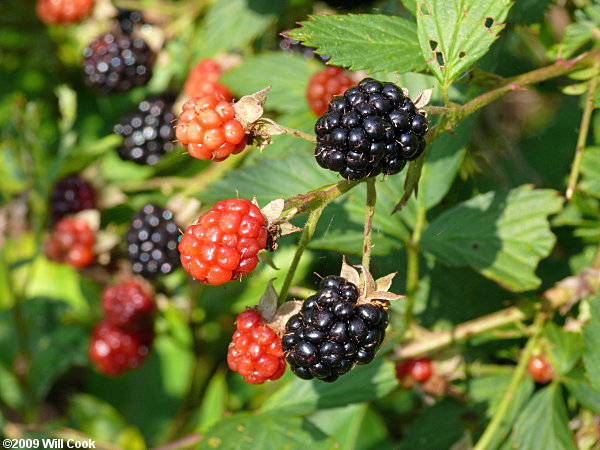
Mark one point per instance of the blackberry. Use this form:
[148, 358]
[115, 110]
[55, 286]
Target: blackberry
[128, 19]
[148, 133]
[117, 63]
[369, 130]
[332, 333]
[70, 195]
[153, 238]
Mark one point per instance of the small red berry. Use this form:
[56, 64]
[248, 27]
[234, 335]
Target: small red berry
[208, 129]
[421, 369]
[255, 351]
[114, 350]
[540, 369]
[63, 11]
[128, 305]
[223, 245]
[71, 242]
[324, 85]
[204, 80]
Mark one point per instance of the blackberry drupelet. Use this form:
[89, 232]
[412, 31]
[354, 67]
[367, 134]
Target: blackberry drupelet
[332, 333]
[371, 129]
[117, 63]
[128, 19]
[148, 133]
[153, 238]
[70, 195]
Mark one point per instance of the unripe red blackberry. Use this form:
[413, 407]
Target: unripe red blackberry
[224, 244]
[71, 195]
[117, 63]
[128, 305]
[371, 129]
[148, 133]
[71, 242]
[255, 351]
[540, 369]
[207, 127]
[324, 85]
[152, 241]
[203, 80]
[419, 369]
[63, 11]
[114, 350]
[332, 333]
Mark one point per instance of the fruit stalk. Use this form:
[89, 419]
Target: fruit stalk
[492, 428]
[369, 212]
[412, 269]
[307, 233]
[583, 133]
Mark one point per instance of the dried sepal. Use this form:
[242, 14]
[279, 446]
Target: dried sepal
[384, 283]
[276, 227]
[282, 315]
[250, 108]
[423, 98]
[265, 256]
[349, 273]
[91, 217]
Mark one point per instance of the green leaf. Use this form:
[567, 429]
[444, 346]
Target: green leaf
[411, 5]
[363, 42]
[102, 422]
[286, 73]
[491, 389]
[214, 402]
[234, 24]
[264, 431]
[579, 33]
[436, 427]
[455, 34]
[580, 388]
[590, 171]
[591, 343]
[543, 423]
[566, 347]
[364, 383]
[67, 103]
[271, 179]
[502, 235]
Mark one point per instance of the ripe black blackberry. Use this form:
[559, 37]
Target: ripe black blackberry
[128, 19]
[148, 133]
[116, 62]
[371, 129]
[153, 237]
[70, 195]
[332, 333]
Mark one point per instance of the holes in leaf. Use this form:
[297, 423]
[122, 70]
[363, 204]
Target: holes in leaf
[439, 56]
[433, 45]
[424, 9]
[461, 54]
[489, 21]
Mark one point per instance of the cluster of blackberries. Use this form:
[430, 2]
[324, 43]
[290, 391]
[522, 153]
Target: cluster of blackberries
[71, 195]
[373, 128]
[152, 240]
[332, 333]
[148, 133]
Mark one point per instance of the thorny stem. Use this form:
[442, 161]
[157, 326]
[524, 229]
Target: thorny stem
[500, 413]
[307, 233]
[412, 267]
[298, 133]
[583, 133]
[369, 212]
[305, 203]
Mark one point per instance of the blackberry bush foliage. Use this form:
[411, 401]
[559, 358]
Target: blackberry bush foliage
[490, 224]
[152, 241]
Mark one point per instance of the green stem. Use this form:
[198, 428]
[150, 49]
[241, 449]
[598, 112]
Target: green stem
[307, 233]
[298, 133]
[583, 133]
[305, 203]
[499, 415]
[369, 212]
[412, 266]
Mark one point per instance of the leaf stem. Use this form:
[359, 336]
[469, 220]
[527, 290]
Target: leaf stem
[582, 136]
[307, 233]
[412, 266]
[496, 422]
[305, 203]
[298, 133]
[369, 212]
